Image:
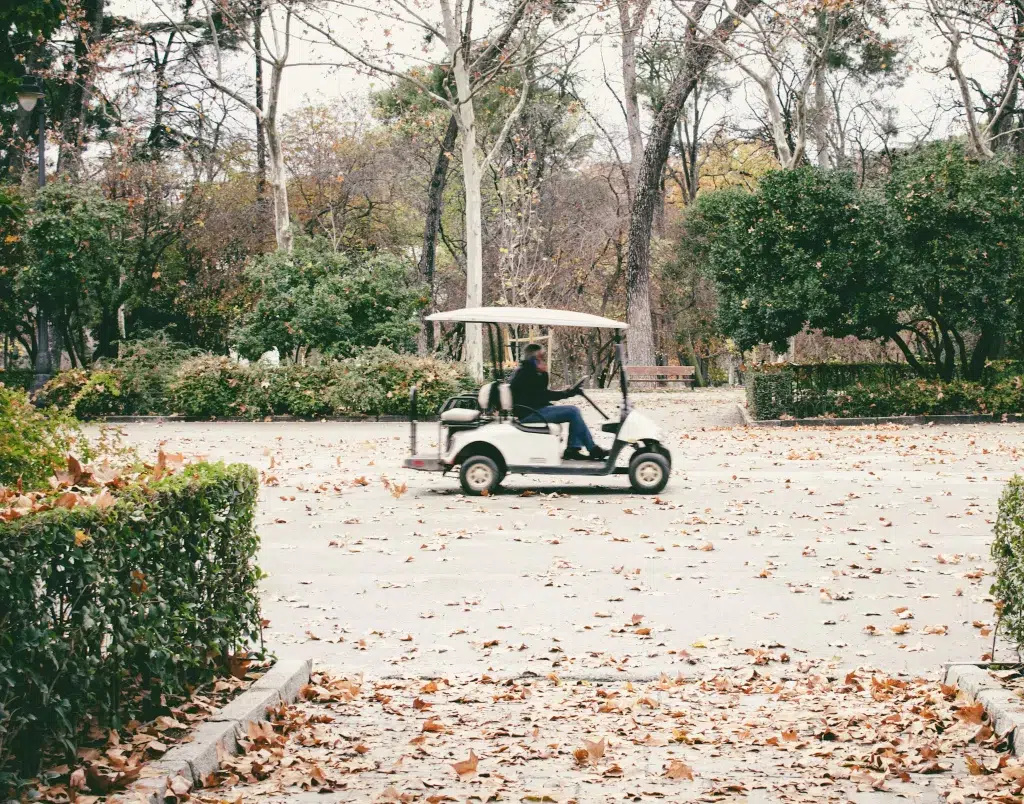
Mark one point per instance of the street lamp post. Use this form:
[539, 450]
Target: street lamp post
[30, 95]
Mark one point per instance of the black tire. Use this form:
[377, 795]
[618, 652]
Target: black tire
[648, 472]
[479, 476]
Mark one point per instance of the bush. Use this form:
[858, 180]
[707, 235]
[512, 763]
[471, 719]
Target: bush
[870, 390]
[85, 394]
[145, 369]
[315, 298]
[105, 609]
[769, 393]
[137, 382]
[374, 384]
[32, 442]
[208, 387]
[16, 378]
[1008, 555]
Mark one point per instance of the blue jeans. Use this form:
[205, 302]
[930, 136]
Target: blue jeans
[579, 435]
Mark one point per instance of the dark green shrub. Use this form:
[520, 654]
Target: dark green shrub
[769, 393]
[1008, 555]
[103, 610]
[60, 390]
[16, 378]
[1006, 396]
[33, 442]
[378, 383]
[997, 371]
[145, 369]
[303, 391]
[870, 390]
[211, 387]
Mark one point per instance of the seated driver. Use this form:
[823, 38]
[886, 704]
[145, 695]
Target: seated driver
[532, 399]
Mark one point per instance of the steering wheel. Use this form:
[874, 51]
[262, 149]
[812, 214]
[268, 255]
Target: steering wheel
[579, 383]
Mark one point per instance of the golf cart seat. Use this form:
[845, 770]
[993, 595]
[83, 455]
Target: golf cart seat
[460, 416]
[491, 397]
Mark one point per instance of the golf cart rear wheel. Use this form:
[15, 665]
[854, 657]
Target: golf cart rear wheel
[648, 472]
[479, 475]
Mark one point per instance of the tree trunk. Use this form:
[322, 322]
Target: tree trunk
[261, 142]
[122, 332]
[821, 108]
[90, 31]
[42, 365]
[278, 175]
[640, 342]
[435, 208]
[474, 227]
[631, 100]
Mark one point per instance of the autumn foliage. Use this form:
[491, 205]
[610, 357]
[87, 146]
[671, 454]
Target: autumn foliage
[118, 589]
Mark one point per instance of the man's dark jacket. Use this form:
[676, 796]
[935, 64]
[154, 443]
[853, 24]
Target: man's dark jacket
[530, 390]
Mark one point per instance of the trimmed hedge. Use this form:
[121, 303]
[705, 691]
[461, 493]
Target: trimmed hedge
[871, 390]
[375, 383]
[103, 610]
[1008, 555]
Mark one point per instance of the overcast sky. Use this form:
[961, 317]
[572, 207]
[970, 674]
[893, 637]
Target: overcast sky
[312, 81]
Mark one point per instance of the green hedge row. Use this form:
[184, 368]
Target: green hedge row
[876, 390]
[373, 384]
[103, 610]
[1008, 555]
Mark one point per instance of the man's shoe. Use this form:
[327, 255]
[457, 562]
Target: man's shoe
[597, 453]
[574, 454]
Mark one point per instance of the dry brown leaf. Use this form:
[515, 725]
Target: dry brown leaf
[467, 766]
[679, 770]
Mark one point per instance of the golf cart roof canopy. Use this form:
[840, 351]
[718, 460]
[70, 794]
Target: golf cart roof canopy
[527, 315]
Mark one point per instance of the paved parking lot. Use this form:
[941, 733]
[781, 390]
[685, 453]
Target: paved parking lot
[842, 547]
[810, 538]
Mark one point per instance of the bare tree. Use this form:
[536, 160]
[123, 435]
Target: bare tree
[273, 52]
[701, 50]
[990, 31]
[631, 21]
[465, 37]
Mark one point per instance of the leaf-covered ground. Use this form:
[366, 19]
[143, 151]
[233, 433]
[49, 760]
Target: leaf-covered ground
[758, 727]
[842, 548]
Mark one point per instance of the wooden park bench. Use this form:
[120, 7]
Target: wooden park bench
[657, 375]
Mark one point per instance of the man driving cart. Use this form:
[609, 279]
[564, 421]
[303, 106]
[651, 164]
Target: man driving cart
[532, 400]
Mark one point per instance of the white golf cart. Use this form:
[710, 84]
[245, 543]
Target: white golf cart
[483, 435]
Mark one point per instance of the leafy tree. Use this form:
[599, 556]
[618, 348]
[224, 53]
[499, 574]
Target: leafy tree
[806, 249]
[76, 242]
[15, 319]
[961, 226]
[933, 261]
[336, 304]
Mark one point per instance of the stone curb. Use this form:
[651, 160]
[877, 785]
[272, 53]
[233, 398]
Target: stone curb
[1004, 709]
[867, 421]
[747, 421]
[195, 760]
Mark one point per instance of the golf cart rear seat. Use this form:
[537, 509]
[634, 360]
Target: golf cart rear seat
[492, 396]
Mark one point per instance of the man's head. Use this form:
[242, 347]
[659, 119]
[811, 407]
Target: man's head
[534, 351]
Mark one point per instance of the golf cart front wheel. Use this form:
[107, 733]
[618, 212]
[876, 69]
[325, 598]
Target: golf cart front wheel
[479, 475]
[648, 472]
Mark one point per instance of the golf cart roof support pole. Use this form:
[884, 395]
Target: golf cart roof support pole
[623, 381]
[412, 420]
[494, 356]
